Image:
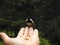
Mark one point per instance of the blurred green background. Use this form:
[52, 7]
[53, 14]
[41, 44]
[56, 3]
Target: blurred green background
[45, 13]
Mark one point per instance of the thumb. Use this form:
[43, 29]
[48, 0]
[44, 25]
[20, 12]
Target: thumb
[4, 36]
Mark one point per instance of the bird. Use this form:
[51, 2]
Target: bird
[29, 22]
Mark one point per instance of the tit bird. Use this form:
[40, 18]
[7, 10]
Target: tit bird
[29, 22]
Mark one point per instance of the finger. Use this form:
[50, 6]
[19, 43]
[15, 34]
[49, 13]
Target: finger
[36, 36]
[26, 31]
[30, 31]
[21, 32]
[36, 33]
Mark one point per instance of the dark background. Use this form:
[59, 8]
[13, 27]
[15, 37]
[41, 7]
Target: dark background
[45, 13]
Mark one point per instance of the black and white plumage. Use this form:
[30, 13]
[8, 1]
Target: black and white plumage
[29, 22]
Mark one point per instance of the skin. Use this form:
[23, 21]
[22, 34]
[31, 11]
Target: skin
[26, 36]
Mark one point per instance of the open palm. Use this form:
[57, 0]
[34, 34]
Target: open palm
[26, 36]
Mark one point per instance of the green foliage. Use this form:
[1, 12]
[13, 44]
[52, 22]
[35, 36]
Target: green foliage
[44, 41]
[9, 33]
[1, 43]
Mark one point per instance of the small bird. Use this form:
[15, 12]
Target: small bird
[29, 22]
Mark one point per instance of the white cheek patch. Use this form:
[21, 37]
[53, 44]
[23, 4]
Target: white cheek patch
[32, 20]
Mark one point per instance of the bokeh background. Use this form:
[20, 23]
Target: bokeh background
[45, 13]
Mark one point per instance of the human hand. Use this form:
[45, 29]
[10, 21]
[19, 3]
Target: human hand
[26, 36]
